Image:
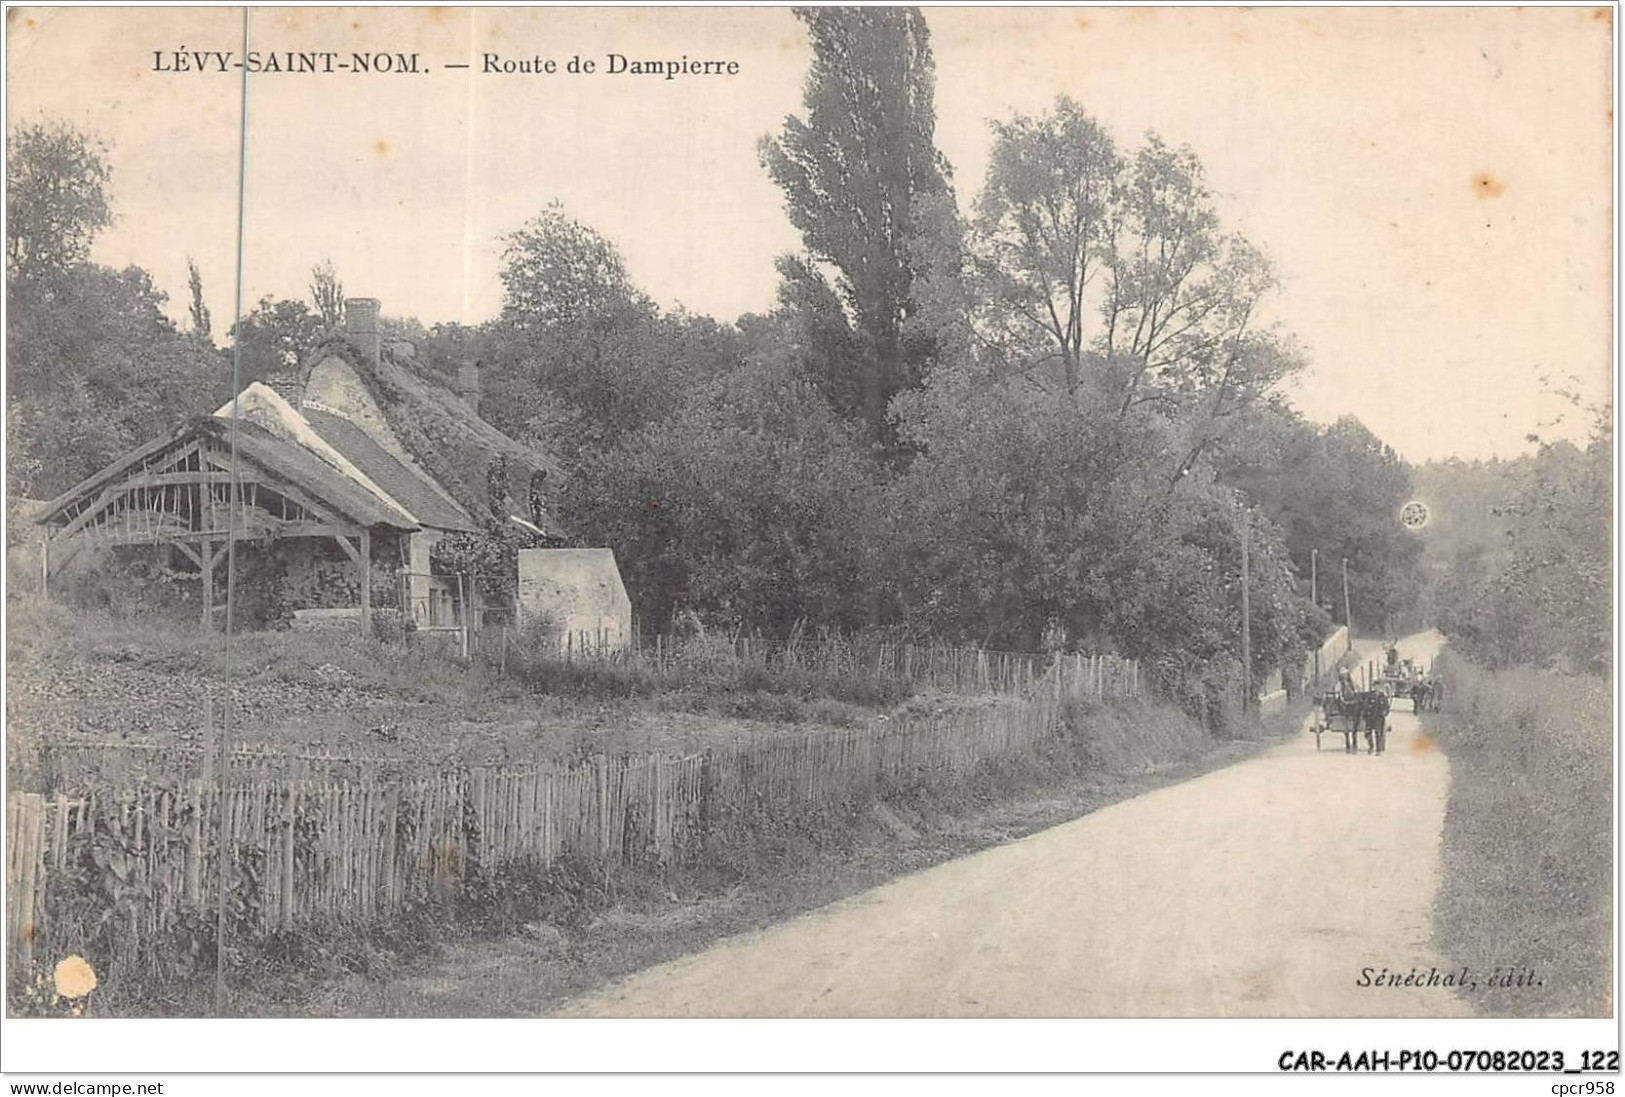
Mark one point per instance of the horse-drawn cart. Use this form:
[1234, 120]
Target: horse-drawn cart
[1349, 713]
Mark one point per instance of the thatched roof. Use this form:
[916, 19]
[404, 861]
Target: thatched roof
[443, 434]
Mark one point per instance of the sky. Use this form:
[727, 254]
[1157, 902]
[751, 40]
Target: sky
[1433, 185]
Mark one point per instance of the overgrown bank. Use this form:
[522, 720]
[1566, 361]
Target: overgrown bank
[1528, 858]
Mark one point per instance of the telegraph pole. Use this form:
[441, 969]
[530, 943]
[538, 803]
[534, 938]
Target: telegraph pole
[1246, 622]
[1314, 576]
[1348, 618]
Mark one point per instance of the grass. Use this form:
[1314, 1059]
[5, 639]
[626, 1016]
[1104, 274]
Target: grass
[150, 679]
[1528, 859]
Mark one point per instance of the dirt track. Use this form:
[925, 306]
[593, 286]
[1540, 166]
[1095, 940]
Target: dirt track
[1263, 889]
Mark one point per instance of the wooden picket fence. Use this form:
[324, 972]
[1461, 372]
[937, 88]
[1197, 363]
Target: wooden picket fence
[321, 853]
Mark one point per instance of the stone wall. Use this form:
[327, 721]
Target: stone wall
[578, 593]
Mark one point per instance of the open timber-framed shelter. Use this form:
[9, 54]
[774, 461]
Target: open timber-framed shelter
[176, 492]
[352, 465]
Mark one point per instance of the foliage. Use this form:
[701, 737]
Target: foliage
[745, 507]
[56, 199]
[1085, 263]
[95, 368]
[1539, 593]
[327, 294]
[1336, 492]
[853, 172]
[580, 358]
[273, 338]
[197, 308]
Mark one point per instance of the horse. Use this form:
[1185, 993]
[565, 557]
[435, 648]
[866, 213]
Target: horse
[1355, 712]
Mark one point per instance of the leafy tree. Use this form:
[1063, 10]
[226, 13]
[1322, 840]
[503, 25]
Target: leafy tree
[1044, 224]
[198, 309]
[853, 172]
[327, 294]
[56, 199]
[1336, 491]
[580, 357]
[1086, 262]
[1539, 590]
[557, 272]
[273, 337]
[94, 367]
[746, 506]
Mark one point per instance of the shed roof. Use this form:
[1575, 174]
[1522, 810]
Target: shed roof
[257, 447]
[405, 485]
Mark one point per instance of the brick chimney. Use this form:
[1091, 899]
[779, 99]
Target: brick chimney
[361, 326]
[285, 380]
[468, 383]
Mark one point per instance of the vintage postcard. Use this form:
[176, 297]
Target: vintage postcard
[844, 512]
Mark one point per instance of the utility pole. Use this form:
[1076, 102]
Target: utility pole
[1348, 618]
[1314, 577]
[1246, 621]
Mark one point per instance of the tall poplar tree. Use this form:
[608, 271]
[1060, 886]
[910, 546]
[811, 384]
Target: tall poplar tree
[854, 172]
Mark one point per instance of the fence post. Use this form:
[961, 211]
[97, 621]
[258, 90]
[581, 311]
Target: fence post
[600, 766]
[285, 913]
[194, 846]
[25, 811]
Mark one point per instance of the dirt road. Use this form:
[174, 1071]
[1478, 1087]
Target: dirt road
[1263, 889]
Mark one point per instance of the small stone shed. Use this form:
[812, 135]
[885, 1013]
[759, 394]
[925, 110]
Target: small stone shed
[579, 593]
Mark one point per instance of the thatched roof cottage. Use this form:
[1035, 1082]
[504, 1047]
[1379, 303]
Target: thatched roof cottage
[353, 466]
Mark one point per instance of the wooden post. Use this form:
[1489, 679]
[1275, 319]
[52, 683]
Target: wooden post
[194, 845]
[1348, 617]
[365, 563]
[207, 552]
[23, 831]
[285, 918]
[462, 607]
[45, 568]
[601, 773]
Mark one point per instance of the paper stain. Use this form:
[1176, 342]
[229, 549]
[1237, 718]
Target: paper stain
[1423, 744]
[1486, 185]
[381, 147]
[1083, 23]
[1603, 15]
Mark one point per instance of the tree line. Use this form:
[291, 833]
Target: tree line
[1522, 554]
[1040, 421]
